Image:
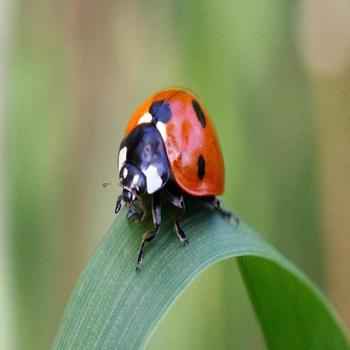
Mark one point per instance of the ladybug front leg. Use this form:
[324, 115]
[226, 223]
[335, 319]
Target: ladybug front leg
[119, 204]
[150, 235]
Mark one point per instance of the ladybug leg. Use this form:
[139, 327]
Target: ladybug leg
[180, 233]
[178, 202]
[136, 213]
[215, 204]
[119, 204]
[150, 235]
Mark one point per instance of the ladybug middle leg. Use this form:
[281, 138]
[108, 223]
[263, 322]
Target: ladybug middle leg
[150, 235]
[177, 200]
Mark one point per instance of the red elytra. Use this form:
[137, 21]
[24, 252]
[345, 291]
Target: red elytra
[190, 140]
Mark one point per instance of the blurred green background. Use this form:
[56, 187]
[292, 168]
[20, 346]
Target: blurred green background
[274, 74]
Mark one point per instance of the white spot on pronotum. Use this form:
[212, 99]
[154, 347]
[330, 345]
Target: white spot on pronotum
[146, 118]
[122, 157]
[161, 127]
[153, 180]
[125, 173]
[135, 180]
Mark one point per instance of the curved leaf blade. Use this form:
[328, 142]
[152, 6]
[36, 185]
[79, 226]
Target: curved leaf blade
[115, 307]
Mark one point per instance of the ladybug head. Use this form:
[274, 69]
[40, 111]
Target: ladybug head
[133, 182]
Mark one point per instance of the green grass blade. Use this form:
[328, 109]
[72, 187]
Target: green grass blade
[115, 307]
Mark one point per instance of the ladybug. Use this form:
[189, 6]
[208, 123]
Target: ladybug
[170, 152]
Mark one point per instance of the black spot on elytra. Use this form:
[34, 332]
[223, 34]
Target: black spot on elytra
[199, 113]
[160, 111]
[201, 167]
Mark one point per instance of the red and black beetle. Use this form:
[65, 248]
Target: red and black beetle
[170, 149]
